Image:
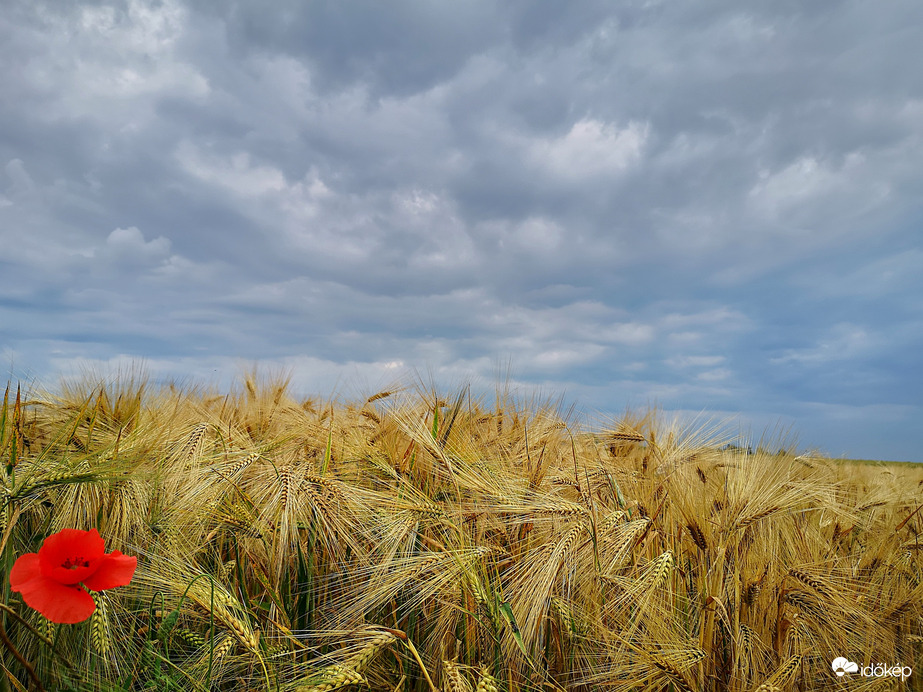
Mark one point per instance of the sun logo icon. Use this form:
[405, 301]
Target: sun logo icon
[841, 666]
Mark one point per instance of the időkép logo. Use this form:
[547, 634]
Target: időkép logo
[841, 666]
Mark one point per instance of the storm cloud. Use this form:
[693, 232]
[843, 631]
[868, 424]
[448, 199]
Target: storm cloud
[709, 207]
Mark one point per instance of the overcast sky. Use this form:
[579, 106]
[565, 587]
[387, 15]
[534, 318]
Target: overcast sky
[709, 206]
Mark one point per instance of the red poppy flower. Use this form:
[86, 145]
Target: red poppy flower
[49, 581]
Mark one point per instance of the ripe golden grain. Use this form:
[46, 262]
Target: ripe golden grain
[222, 648]
[559, 508]
[626, 436]
[660, 569]
[232, 471]
[782, 674]
[752, 590]
[806, 603]
[370, 650]
[225, 608]
[747, 637]
[487, 682]
[697, 536]
[331, 678]
[285, 481]
[194, 442]
[454, 680]
[747, 521]
[675, 674]
[815, 583]
[531, 553]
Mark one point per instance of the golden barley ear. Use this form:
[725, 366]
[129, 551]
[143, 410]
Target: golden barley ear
[752, 591]
[489, 624]
[744, 651]
[619, 540]
[533, 583]
[227, 609]
[807, 603]
[378, 642]
[754, 518]
[192, 449]
[486, 681]
[571, 623]
[697, 536]
[814, 582]
[782, 675]
[454, 680]
[638, 592]
[674, 674]
[223, 646]
[332, 677]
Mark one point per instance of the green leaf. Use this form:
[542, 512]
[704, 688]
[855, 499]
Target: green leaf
[507, 613]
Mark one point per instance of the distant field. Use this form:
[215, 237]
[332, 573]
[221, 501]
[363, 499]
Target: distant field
[415, 541]
[874, 461]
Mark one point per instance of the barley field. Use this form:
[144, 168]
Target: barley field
[420, 541]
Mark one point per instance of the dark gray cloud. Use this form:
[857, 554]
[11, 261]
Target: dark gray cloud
[710, 206]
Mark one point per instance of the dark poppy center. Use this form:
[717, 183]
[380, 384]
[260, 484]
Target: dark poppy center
[75, 563]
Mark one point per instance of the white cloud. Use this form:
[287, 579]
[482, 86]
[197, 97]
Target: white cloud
[628, 333]
[592, 148]
[107, 65]
[715, 318]
[747, 29]
[893, 277]
[695, 361]
[843, 341]
[567, 357]
[807, 182]
[654, 199]
[800, 181]
[539, 235]
[236, 173]
[21, 183]
[130, 242]
[417, 202]
[716, 375]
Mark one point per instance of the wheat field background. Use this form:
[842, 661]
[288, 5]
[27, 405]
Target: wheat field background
[421, 541]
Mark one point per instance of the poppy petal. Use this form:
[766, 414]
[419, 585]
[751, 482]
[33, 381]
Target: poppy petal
[71, 555]
[57, 602]
[25, 569]
[113, 570]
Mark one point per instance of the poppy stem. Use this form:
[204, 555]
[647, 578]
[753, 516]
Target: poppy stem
[19, 657]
